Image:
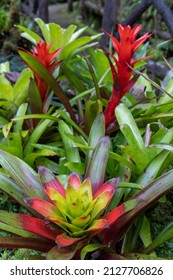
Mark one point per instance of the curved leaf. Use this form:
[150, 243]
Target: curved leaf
[22, 242]
[90, 248]
[22, 174]
[61, 253]
[98, 162]
[165, 234]
[144, 199]
[41, 70]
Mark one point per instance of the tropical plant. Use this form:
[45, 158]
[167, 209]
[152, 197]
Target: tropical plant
[64, 208]
[42, 53]
[122, 77]
[92, 191]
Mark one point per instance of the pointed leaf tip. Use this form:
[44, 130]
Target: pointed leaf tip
[74, 180]
[64, 240]
[98, 162]
[49, 180]
[109, 186]
[29, 201]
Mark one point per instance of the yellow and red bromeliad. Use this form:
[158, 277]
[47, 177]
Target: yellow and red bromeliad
[76, 209]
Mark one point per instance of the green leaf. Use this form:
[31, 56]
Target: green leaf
[97, 132]
[153, 168]
[17, 127]
[76, 34]
[96, 172]
[136, 149]
[61, 253]
[5, 86]
[165, 234]
[77, 167]
[125, 118]
[90, 248]
[12, 189]
[166, 98]
[12, 229]
[68, 34]
[44, 29]
[56, 168]
[20, 90]
[74, 46]
[101, 66]
[73, 78]
[22, 174]
[168, 147]
[3, 121]
[30, 159]
[81, 95]
[137, 256]
[58, 151]
[129, 185]
[35, 98]
[145, 198]
[56, 35]
[92, 109]
[6, 129]
[5, 67]
[37, 132]
[41, 70]
[29, 35]
[148, 87]
[71, 150]
[124, 161]
[7, 108]
[95, 80]
[10, 222]
[13, 144]
[73, 124]
[145, 233]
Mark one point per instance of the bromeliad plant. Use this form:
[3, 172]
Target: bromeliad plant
[29, 96]
[71, 44]
[41, 52]
[113, 180]
[77, 217]
[82, 75]
[73, 215]
[123, 78]
[77, 209]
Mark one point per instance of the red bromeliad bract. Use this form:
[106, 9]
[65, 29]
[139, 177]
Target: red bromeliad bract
[122, 74]
[42, 53]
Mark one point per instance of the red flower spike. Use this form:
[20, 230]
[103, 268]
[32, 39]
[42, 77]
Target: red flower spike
[42, 53]
[122, 74]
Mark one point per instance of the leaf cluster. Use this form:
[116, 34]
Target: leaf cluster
[72, 137]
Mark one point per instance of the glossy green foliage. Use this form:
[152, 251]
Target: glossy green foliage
[17, 94]
[133, 156]
[68, 39]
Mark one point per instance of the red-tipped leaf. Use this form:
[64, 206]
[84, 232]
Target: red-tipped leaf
[49, 180]
[64, 240]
